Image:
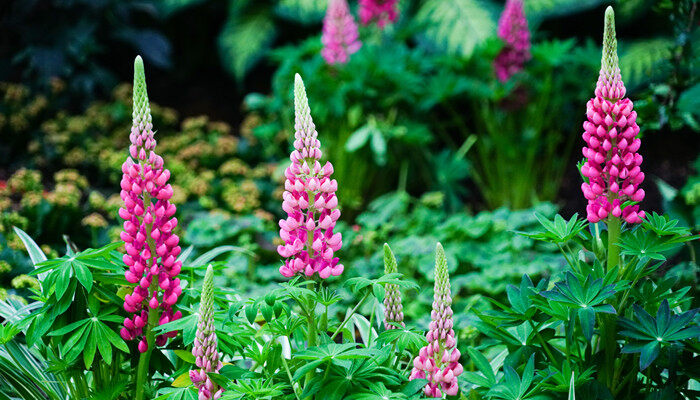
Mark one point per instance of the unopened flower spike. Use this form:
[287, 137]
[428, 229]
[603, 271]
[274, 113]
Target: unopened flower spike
[393, 309]
[309, 201]
[438, 361]
[340, 38]
[612, 165]
[205, 349]
[513, 30]
[151, 246]
[383, 12]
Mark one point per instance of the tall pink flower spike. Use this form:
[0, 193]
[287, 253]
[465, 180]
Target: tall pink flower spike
[384, 12]
[151, 246]
[513, 30]
[205, 349]
[340, 37]
[309, 201]
[612, 163]
[438, 361]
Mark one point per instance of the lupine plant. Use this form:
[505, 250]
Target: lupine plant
[513, 30]
[340, 37]
[143, 318]
[607, 327]
[381, 12]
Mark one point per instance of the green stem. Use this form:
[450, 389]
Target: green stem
[371, 323]
[613, 237]
[153, 316]
[347, 318]
[311, 337]
[289, 375]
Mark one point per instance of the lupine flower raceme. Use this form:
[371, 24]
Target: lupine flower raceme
[340, 37]
[151, 246]
[384, 12]
[438, 361]
[393, 309]
[309, 201]
[513, 30]
[205, 348]
[612, 166]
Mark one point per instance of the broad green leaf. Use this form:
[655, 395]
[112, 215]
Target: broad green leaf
[457, 26]
[244, 40]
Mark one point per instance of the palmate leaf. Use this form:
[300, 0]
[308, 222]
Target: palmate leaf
[643, 244]
[254, 389]
[559, 230]
[648, 334]
[584, 298]
[404, 339]
[457, 26]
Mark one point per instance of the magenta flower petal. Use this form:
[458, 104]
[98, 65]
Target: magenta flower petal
[383, 12]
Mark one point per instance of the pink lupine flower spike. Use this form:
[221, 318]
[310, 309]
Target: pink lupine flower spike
[393, 309]
[340, 37]
[151, 246]
[309, 201]
[205, 349]
[513, 30]
[383, 12]
[438, 361]
[612, 165]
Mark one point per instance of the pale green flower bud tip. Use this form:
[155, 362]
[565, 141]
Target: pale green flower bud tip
[208, 287]
[390, 265]
[610, 60]
[441, 272]
[140, 95]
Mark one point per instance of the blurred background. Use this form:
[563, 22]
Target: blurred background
[427, 143]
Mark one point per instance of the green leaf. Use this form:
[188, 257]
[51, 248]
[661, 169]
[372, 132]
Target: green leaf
[359, 138]
[35, 252]
[639, 60]
[185, 356]
[304, 11]
[542, 9]
[457, 26]
[83, 274]
[244, 40]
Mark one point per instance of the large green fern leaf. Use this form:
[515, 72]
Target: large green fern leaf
[244, 41]
[642, 61]
[304, 11]
[543, 9]
[457, 26]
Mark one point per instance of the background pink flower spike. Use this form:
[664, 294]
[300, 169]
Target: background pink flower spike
[151, 246]
[513, 30]
[309, 201]
[383, 12]
[612, 166]
[340, 38]
[438, 361]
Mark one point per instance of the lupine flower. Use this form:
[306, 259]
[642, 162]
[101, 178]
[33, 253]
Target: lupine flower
[309, 201]
[513, 30]
[612, 162]
[383, 12]
[438, 361]
[340, 38]
[151, 246]
[393, 309]
[205, 348]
